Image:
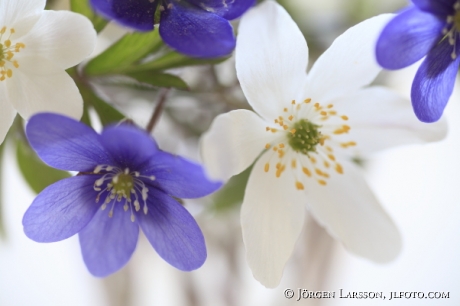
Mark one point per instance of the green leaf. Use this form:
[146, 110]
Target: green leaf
[159, 79]
[83, 7]
[232, 193]
[173, 60]
[107, 113]
[121, 55]
[35, 172]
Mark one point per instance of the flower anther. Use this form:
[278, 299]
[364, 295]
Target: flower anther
[307, 141]
[7, 52]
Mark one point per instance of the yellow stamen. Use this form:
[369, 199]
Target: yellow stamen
[299, 185]
[267, 167]
[306, 171]
[338, 168]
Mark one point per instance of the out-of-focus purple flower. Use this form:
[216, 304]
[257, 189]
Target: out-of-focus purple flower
[198, 28]
[431, 28]
[125, 182]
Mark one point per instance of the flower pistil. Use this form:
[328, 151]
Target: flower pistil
[121, 184]
[306, 140]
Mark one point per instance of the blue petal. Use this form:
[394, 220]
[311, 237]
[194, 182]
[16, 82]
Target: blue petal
[434, 82]
[65, 143]
[441, 8]
[108, 243]
[137, 14]
[196, 32]
[61, 210]
[407, 38]
[179, 177]
[129, 146]
[173, 232]
[226, 9]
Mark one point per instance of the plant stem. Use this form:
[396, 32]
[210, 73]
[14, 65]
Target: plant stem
[158, 110]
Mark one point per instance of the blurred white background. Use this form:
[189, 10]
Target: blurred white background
[418, 185]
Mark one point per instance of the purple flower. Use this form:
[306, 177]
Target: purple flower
[431, 28]
[125, 182]
[198, 28]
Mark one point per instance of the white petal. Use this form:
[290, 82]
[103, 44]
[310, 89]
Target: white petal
[348, 64]
[63, 37]
[380, 119]
[39, 85]
[271, 59]
[7, 113]
[272, 217]
[349, 211]
[233, 142]
[13, 11]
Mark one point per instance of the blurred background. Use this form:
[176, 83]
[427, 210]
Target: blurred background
[418, 186]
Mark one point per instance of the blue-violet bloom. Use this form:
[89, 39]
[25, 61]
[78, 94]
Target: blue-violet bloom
[197, 28]
[431, 28]
[125, 182]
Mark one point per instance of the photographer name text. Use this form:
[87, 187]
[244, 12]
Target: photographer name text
[302, 294]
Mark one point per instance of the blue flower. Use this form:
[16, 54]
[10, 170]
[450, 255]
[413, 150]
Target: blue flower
[198, 28]
[431, 28]
[124, 182]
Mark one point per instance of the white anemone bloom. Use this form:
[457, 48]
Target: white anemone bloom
[36, 46]
[306, 131]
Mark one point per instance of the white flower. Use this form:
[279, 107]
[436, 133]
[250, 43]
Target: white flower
[36, 47]
[308, 129]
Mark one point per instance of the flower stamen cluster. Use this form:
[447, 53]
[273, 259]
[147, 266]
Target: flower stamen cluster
[121, 184]
[7, 52]
[452, 28]
[306, 141]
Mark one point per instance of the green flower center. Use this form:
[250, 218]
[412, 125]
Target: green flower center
[117, 184]
[122, 184]
[304, 136]
[300, 136]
